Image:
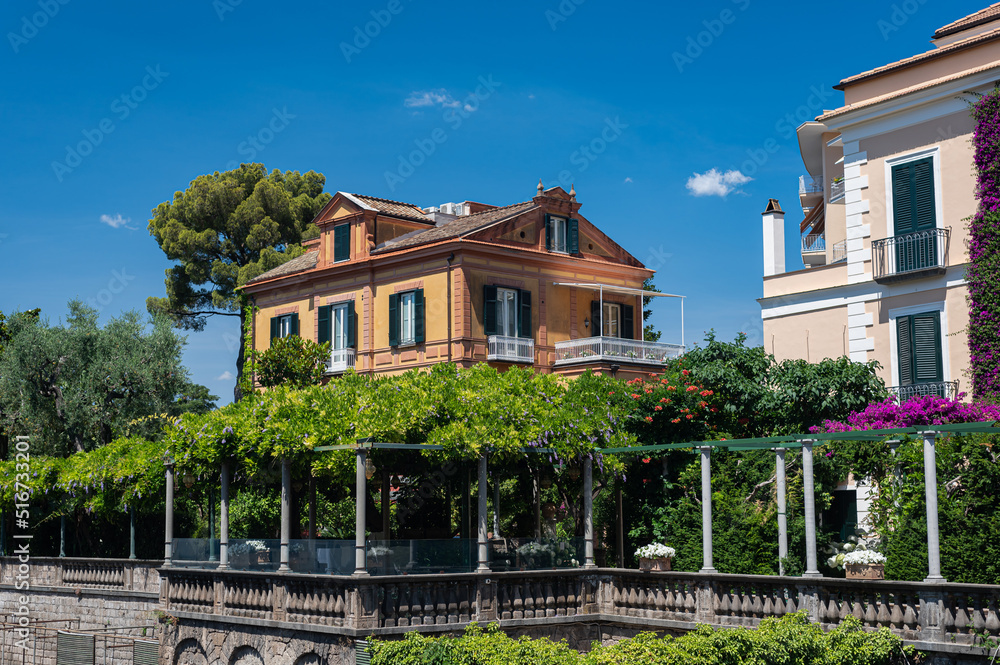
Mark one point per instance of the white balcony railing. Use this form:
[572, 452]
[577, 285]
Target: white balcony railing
[837, 189]
[814, 242]
[340, 361]
[615, 349]
[511, 349]
[810, 185]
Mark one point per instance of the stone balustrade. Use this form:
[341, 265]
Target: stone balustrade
[921, 613]
[116, 574]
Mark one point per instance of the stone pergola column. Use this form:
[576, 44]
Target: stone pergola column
[782, 510]
[211, 524]
[168, 539]
[706, 510]
[224, 517]
[809, 489]
[931, 494]
[588, 513]
[361, 491]
[312, 507]
[484, 564]
[286, 512]
[131, 532]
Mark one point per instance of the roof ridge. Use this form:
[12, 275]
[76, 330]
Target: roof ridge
[491, 210]
[985, 15]
[919, 57]
[379, 198]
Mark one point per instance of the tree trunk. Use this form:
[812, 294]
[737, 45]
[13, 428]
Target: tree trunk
[240, 357]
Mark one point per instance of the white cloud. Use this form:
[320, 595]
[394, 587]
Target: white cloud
[225, 376]
[117, 221]
[424, 98]
[714, 183]
[628, 179]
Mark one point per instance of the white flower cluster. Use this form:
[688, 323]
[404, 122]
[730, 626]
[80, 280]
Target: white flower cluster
[655, 551]
[247, 546]
[379, 550]
[864, 557]
[535, 548]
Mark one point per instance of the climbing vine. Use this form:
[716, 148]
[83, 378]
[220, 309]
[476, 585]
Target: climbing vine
[983, 274]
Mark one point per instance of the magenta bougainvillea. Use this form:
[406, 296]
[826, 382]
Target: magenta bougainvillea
[983, 274]
[926, 410]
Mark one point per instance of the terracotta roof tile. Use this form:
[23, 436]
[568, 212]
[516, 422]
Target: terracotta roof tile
[459, 227]
[905, 91]
[917, 59]
[991, 13]
[299, 264]
[395, 208]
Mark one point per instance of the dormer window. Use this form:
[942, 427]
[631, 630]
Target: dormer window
[562, 234]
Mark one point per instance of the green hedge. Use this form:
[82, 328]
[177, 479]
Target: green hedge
[790, 639]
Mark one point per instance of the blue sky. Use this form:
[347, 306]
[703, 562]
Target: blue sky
[106, 110]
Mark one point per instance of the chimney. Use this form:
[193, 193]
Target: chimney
[774, 238]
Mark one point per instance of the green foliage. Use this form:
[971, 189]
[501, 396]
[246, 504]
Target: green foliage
[968, 474]
[224, 230]
[649, 333]
[790, 639]
[291, 361]
[78, 386]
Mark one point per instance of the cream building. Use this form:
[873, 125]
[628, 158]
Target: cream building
[889, 186]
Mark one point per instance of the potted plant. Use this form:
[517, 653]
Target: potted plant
[259, 554]
[864, 565]
[239, 556]
[655, 556]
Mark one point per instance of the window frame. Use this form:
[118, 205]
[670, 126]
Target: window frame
[926, 308]
[934, 153]
[608, 308]
[342, 250]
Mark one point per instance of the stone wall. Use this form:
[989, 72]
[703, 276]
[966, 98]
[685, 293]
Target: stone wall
[113, 600]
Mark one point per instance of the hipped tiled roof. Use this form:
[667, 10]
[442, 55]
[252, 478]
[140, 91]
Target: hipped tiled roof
[454, 229]
[305, 262]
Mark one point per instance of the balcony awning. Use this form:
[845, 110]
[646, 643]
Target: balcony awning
[625, 290]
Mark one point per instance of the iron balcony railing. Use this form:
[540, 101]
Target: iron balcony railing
[810, 185]
[836, 189]
[945, 389]
[340, 361]
[915, 254]
[511, 349]
[814, 242]
[596, 349]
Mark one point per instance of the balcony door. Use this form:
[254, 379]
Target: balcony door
[914, 215]
[507, 312]
[338, 321]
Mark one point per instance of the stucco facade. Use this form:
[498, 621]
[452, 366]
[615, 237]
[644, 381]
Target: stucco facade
[889, 188]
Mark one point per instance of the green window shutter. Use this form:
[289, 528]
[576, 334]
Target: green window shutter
[524, 328]
[352, 339]
[913, 204]
[904, 349]
[295, 325]
[489, 310]
[418, 316]
[342, 242]
[923, 195]
[274, 327]
[627, 323]
[323, 322]
[596, 328]
[394, 319]
[573, 236]
[927, 360]
[548, 232]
